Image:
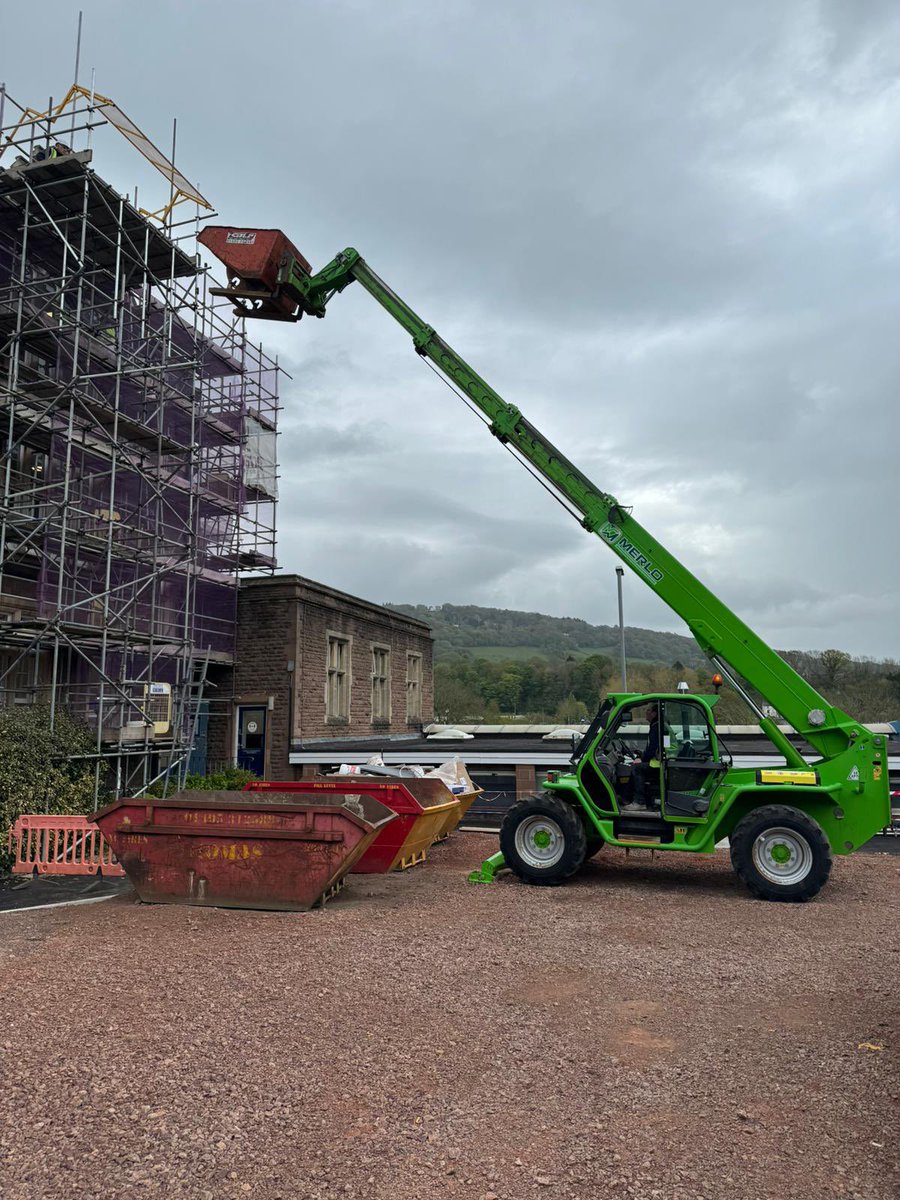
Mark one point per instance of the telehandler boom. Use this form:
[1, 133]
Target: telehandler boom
[661, 749]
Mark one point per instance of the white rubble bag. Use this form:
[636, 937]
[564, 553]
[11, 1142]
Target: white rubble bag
[454, 775]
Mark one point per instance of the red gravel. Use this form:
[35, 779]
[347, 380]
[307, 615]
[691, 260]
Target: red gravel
[647, 1031]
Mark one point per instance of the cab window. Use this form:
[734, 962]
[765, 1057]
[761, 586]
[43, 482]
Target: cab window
[687, 731]
[628, 736]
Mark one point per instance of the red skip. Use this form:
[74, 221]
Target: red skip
[423, 808]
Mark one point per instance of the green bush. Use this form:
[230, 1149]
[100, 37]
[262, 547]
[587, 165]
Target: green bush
[229, 779]
[39, 770]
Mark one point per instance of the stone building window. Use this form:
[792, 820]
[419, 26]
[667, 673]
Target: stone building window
[19, 684]
[337, 680]
[414, 687]
[381, 683]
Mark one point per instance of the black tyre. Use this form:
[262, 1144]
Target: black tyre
[543, 840]
[781, 853]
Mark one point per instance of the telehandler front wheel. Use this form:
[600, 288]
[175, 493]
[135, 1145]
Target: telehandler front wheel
[781, 853]
[543, 840]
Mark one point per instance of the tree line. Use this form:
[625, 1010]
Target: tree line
[469, 689]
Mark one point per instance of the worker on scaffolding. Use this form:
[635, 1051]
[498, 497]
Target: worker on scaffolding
[57, 150]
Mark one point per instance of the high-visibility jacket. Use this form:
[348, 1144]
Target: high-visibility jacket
[650, 755]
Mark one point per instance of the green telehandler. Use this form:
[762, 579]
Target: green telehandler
[650, 771]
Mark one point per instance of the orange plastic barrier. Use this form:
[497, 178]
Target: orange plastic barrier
[55, 845]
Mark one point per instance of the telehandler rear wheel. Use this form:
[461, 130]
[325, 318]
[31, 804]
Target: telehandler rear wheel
[781, 853]
[543, 840]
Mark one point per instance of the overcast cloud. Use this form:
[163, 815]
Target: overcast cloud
[668, 232]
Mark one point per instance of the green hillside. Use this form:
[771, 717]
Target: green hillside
[502, 633]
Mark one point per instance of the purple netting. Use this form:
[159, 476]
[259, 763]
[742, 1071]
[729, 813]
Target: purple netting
[145, 543]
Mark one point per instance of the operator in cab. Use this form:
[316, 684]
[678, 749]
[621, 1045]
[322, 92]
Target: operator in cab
[646, 768]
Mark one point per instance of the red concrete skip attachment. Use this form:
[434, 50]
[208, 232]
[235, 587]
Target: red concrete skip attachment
[423, 807]
[234, 850]
[59, 845]
[251, 255]
[252, 259]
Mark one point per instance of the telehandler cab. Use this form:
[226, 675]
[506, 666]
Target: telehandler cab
[783, 824]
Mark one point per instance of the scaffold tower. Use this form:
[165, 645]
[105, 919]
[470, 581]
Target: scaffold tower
[138, 470]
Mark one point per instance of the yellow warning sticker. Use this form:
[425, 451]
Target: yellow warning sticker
[807, 778]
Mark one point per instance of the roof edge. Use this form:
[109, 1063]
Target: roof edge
[325, 590]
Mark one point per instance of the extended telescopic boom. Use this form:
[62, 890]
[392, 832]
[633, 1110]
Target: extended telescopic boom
[731, 644]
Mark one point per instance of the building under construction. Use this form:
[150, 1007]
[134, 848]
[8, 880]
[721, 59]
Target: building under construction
[138, 449]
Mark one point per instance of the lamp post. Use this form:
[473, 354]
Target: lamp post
[620, 572]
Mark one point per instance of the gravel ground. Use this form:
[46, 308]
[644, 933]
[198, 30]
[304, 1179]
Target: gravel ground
[647, 1031]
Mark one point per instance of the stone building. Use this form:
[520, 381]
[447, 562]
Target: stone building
[313, 663]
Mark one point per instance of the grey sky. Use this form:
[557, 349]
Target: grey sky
[669, 232]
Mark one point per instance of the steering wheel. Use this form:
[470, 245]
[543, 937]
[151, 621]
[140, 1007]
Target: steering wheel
[621, 747]
[687, 750]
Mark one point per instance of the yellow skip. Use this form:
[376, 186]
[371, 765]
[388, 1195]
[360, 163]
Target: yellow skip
[411, 860]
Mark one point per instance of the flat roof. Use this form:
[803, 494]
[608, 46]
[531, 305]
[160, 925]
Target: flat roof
[749, 748]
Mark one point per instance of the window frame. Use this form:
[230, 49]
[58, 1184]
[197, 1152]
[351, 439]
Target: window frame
[382, 683]
[672, 742]
[341, 673]
[414, 685]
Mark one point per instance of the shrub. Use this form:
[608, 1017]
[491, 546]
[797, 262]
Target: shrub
[228, 779]
[40, 771]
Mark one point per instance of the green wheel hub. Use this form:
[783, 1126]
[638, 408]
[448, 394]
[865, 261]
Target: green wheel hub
[542, 839]
[782, 856]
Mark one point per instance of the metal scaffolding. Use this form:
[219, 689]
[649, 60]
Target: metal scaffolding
[138, 471]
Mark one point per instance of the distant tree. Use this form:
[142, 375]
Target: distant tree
[571, 711]
[454, 698]
[508, 689]
[833, 664]
[589, 677]
[868, 699]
